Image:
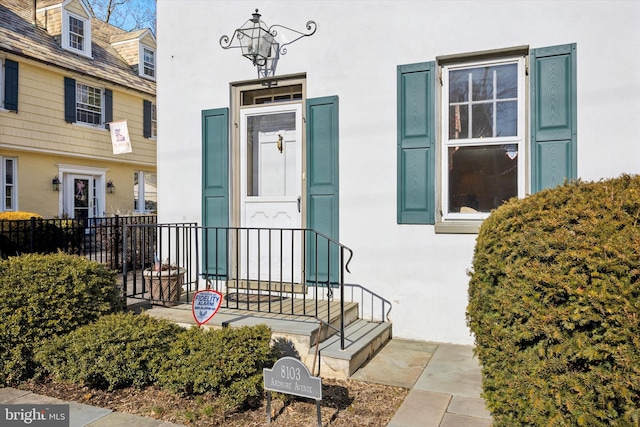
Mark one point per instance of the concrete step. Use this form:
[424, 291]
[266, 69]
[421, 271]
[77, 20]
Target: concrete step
[297, 336]
[362, 339]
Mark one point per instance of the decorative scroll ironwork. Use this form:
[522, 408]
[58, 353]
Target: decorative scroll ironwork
[253, 35]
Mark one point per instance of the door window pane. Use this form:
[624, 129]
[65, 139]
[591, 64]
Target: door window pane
[271, 155]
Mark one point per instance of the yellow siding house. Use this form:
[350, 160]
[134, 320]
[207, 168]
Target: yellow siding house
[71, 88]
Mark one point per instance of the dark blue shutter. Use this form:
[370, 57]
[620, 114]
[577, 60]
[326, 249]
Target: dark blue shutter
[322, 188]
[146, 118]
[553, 116]
[215, 190]
[69, 100]
[11, 85]
[108, 107]
[416, 144]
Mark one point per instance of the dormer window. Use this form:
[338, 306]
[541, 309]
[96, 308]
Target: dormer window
[148, 62]
[76, 32]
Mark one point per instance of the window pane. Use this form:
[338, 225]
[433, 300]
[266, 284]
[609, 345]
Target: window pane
[482, 79]
[507, 81]
[458, 121]
[270, 155]
[136, 188]
[507, 118]
[8, 171]
[481, 178]
[482, 120]
[459, 86]
[150, 192]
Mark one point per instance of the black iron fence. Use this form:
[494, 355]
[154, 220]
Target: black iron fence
[273, 270]
[100, 239]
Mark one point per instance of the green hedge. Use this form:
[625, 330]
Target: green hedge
[46, 295]
[116, 351]
[226, 362]
[554, 303]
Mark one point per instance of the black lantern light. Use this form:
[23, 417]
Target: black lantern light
[110, 187]
[55, 182]
[258, 42]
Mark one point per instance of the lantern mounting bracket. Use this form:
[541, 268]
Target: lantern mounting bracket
[259, 43]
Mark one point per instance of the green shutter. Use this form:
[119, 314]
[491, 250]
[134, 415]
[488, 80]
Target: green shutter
[108, 107]
[416, 144]
[215, 189]
[146, 118]
[69, 100]
[322, 187]
[11, 85]
[553, 116]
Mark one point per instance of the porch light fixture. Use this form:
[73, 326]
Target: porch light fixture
[110, 187]
[55, 182]
[259, 44]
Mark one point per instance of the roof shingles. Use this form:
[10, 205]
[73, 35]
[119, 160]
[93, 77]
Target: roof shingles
[20, 37]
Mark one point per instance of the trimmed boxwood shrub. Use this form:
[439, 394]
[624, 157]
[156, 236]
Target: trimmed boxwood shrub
[554, 303]
[226, 362]
[116, 351]
[46, 295]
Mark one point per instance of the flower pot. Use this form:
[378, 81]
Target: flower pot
[165, 286]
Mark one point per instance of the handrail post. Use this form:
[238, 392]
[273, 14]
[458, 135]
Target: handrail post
[342, 298]
[124, 264]
[32, 239]
[117, 239]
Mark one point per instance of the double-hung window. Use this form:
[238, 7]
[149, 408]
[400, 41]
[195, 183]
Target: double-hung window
[89, 104]
[8, 192]
[482, 160]
[148, 62]
[76, 32]
[476, 130]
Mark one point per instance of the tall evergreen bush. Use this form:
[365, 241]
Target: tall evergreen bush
[554, 303]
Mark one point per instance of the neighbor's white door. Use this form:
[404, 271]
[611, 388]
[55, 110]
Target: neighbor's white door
[80, 196]
[271, 189]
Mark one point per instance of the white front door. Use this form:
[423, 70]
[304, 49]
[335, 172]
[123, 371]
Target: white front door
[271, 189]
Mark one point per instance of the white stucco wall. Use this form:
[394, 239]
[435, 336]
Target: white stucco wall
[354, 55]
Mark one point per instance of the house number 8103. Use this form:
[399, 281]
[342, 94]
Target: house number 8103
[290, 373]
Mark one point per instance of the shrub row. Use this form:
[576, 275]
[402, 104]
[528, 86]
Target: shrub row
[122, 350]
[554, 303]
[47, 295]
[63, 316]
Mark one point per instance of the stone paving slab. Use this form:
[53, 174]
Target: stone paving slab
[128, 420]
[470, 406]
[453, 370]
[81, 415]
[421, 408]
[455, 420]
[399, 363]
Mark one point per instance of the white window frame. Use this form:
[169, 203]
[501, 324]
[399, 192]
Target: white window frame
[66, 33]
[519, 139]
[85, 105]
[141, 208]
[144, 65]
[154, 120]
[3, 190]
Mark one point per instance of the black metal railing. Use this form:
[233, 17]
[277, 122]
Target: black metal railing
[99, 239]
[273, 270]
